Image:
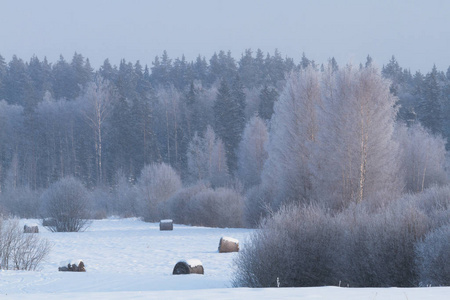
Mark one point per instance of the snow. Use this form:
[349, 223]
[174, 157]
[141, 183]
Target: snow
[167, 221]
[130, 259]
[193, 262]
[230, 239]
[64, 263]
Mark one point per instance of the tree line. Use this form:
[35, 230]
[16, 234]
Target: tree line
[68, 119]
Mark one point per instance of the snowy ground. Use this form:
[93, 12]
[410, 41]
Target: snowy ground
[130, 259]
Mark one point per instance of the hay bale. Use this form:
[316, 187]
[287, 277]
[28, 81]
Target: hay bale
[72, 266]
[31, 229]
[191, 266]
[228, 244]
[166, 225]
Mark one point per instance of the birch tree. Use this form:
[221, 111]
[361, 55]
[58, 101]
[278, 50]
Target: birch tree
[357, 157]
[294, 128]
[98, 99]
[207, 159]
[422, 158]
[252, 153]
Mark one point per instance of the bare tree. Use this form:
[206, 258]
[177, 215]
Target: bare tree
[252, 152]
[19, 250]
[356, 156]
[207, 159]
[422, 158]
[98, 99]
[293, 131]
[66, 202]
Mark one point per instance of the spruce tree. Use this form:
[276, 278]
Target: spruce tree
[267, 97]
[230, 118]
[430, 107]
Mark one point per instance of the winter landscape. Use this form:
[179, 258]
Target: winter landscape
[131, 259]
[135, 136]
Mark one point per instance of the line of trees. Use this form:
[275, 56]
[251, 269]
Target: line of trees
[212, 123]
[65, 119]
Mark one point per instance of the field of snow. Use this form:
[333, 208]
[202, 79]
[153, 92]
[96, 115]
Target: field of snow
[130, 259]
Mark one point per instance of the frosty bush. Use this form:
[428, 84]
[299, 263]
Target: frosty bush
[296, 245]
[358, 246]
[205, 206]
[157, 183]
[180, 204]
[66, 202]
[217, 208]
[433, 257]
[19, 250]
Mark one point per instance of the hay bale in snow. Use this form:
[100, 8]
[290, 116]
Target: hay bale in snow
[228, 244]
[166, 225]
[31, 229]
[191, 266]
[72, 266]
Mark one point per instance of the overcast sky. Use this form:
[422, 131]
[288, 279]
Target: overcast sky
[416, 32]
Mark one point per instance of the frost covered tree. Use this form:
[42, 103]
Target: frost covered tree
[294, 128]
[66, 201]
[207, 159]
[357, 157]
[97, 100]
[156, 184]
[252, 153]
[422, 159]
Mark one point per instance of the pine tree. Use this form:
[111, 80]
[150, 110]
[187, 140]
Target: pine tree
[230, 118]
[3, 70]
[107, 71]
[248, 69]
[268, 96]
[17, 84]
[430, 107]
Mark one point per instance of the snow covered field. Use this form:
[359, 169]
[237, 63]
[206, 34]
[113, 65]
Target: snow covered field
[130, 259]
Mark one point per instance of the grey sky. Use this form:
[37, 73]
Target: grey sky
[416, 32]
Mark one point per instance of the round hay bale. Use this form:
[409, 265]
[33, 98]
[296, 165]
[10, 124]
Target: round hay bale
[31, 229]
[72, 266]
[192, 266]
[228, 244]
[166, 225]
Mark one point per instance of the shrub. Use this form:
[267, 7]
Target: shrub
[398, 244]
[294, 245]
[433, 257]
[18, 250]
[66, 202]
[157, 183]
[217, 208]
[204, 206]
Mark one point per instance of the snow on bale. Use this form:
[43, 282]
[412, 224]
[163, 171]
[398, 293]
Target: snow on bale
[166, 225]
[72, 266]
[31, 228]
[191, 266]
[228, 244]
